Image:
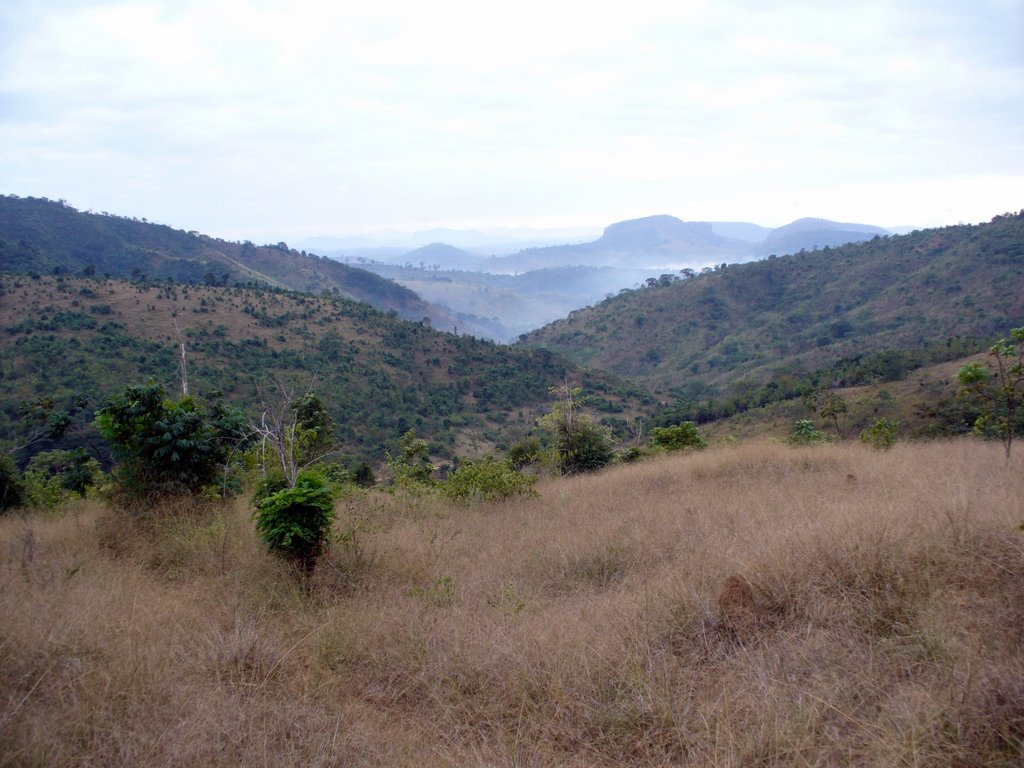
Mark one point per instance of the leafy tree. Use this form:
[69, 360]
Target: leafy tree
[524, 452]
[678, 437]
[316, 424]
[294, 522]
[43, 420]
[1002, 392]
[165, 446]
[299, 431]
[60, 472]
[833, 406]
[582, 445]
[830, 405]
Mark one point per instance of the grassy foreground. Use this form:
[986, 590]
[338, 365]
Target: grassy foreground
[753, 605]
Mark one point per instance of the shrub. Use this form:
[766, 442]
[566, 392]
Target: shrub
[678, 437]
[586, 449]
[295, 523]
[524, 452]
[60, 472]
[489, 479]
[882, 434]
[804, 433]
[362, 475]
[582, 445]
[1002, 392]
[12, 489]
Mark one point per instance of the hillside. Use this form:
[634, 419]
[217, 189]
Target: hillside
[378, 374]
[49, 237]
[755, 322]
[751, 606]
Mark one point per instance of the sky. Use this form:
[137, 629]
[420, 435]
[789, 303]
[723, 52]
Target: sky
[267, 120]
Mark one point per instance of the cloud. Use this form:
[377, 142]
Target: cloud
[345, 117]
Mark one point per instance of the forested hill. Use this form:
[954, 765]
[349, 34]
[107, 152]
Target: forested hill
[758, 320]
[50, 237]
[64, 337]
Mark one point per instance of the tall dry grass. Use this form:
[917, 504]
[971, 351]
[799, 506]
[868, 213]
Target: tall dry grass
[874, 616]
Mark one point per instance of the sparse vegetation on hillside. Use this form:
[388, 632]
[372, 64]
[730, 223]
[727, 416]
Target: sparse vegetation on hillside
[749, 605]
[378, 376]
[758, 323]
[40, 236]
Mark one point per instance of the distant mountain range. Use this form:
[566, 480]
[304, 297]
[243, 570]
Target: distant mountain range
[653, 242]
[811, 234]
[626, 255]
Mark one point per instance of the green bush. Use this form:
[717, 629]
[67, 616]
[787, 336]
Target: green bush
[362, 475]
[805, 433]
[59, 473]
[882, 434]
[586, 448]
[165, 446]
[411, 468]
[524, 452]
[678, 437]
[582, 445]
[295, 523]
[489, 479]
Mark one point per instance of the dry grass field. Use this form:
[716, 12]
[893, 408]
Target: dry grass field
[752, 605]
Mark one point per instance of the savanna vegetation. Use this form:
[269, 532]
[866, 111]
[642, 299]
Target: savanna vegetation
[755, 604]
[81, 339]
[314, 533]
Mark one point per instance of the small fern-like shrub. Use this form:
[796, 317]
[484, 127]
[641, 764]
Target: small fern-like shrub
[295, 523]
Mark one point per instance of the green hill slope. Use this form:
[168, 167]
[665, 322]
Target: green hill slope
[379, 375]
[755, 322]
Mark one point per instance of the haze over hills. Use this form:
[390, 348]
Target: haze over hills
[490, 241]
[755, 321]
[626, 255]
[507, 306]
[810, 234]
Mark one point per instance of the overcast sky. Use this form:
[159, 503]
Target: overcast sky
[281, 120]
